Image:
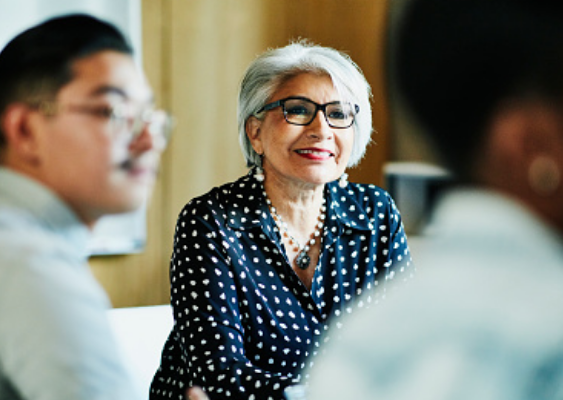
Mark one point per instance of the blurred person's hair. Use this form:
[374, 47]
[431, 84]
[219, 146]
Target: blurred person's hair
[37, 63]
[458, 61]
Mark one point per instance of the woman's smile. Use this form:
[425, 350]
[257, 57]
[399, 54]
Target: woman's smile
[315, 154]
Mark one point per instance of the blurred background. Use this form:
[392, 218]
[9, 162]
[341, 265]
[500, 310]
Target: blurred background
[195, 53]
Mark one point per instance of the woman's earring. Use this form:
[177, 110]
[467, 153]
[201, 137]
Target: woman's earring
[259, 172]
[343, 181]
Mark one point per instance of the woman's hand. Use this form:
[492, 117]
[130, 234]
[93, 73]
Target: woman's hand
[196, 393]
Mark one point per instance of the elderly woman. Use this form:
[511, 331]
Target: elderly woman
[261, 265]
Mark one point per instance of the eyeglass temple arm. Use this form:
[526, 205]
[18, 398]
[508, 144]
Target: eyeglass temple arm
[270, 106]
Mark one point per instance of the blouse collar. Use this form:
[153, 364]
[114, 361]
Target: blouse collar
[250, 209]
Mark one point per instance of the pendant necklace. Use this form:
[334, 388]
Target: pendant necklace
[303, 259]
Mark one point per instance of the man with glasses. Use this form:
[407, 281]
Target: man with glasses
[79, 139]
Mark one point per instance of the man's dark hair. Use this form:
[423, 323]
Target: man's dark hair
[459, 60]
[37, 63]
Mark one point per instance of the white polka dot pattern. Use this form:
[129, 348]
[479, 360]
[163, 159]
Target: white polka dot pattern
[245, 325]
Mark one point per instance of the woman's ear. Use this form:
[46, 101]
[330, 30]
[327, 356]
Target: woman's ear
[252, 128]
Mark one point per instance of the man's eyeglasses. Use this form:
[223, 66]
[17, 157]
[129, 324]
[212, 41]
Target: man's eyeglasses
[302, 111]
[122, 118]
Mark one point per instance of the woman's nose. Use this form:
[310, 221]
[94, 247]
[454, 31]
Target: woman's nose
[319, 126]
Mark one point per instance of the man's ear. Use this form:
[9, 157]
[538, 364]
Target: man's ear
[20, 138]
[544, 133]
[252, 128]
[526, 129]
[521, 134]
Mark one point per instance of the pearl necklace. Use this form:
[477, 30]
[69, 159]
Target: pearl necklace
[303, 259]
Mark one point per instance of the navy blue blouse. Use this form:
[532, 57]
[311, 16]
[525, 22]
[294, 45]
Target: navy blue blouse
[245, 325]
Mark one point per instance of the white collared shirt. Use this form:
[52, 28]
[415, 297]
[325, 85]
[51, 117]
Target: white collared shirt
[55, 339]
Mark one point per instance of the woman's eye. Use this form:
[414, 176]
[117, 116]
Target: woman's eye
[338, 114]
[297, 110]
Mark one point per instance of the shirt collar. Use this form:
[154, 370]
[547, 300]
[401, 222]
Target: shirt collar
[345, 209]
[460, 211]
[250, 209]
[32, 199]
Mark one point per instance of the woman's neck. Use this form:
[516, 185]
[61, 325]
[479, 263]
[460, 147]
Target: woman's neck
[299, 207]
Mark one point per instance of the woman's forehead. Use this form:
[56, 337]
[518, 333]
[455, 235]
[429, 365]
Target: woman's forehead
[318, 86]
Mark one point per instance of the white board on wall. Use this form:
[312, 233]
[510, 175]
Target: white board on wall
[118, 234]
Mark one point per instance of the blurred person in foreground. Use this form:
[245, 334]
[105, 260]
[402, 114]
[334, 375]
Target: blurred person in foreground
[260, 265]
[79, 139]
[483, 319]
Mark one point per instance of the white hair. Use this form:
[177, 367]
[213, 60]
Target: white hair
[273, 67]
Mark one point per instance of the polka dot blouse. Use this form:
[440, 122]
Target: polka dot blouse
[245, 325]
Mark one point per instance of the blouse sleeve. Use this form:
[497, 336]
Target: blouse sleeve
[204, 297]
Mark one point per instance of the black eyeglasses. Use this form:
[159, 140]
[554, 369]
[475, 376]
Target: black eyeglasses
[302, 111]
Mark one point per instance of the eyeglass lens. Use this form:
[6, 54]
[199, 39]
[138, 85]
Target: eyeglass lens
[158, 122]
[302, 112]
